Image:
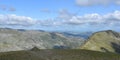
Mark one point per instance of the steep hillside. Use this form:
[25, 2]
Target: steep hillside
[105, 41]
[58, 55]
[13, 39]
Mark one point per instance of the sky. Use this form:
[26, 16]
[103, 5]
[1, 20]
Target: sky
[60, 15]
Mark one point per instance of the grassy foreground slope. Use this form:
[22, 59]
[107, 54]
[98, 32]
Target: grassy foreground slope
[58, 55]
[104, 41]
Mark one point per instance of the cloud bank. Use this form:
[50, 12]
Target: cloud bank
[65, 19]
[96, 2]
[13, 19]
[96, 19]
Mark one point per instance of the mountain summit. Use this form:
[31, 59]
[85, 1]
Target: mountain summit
[104, 41]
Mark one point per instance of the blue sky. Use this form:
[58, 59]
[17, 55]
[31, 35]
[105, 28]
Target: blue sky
[61, 15]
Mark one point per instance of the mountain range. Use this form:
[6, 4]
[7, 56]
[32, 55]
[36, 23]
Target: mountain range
[20, 44]
[20, 39]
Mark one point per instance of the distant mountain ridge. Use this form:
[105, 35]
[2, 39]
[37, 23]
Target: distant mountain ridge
[104, 41]
[20, 44]
[20, 39]
[83, 35]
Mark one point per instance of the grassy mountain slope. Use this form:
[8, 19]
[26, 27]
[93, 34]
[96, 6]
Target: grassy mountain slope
[105, 41]
[58, 55]
[13, 39]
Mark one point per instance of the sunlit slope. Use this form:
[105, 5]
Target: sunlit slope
[105, 41]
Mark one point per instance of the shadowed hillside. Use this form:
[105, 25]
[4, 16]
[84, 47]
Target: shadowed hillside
[58, 55]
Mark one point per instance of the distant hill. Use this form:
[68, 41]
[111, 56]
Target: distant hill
[83, 35]
[20, 39]
[104, 41]
[55, 54]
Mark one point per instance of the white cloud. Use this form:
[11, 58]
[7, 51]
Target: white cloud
[96, 2]
[113, 16]
[117, 2]
[7, 8]
[87, 20]
[93, 19]
[65, 14]
[16, 20]
[69, 19]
